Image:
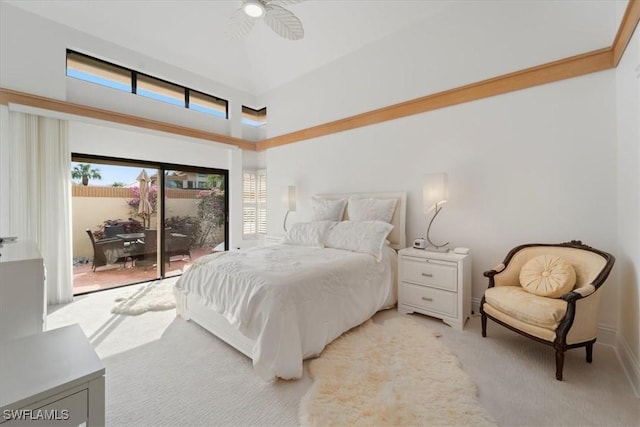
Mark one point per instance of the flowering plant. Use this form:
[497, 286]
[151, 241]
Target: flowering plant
[211, 212]
[134, 203]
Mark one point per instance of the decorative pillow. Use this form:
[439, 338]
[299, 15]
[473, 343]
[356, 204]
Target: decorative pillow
[327, 210]
[363, 236]
[308, 234]
[547, 276]
[371, 209]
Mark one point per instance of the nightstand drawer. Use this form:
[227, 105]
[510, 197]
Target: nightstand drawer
[439, 274]
[68, 411]
[436, 300]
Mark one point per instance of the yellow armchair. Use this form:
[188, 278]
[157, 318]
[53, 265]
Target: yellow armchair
[566, 322]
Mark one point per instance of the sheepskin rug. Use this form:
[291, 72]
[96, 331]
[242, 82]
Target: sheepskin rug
[394, 374]
[154, 296]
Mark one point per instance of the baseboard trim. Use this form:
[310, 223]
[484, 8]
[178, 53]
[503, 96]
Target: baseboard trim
[475, 305]
[607, 335]
[630, 364]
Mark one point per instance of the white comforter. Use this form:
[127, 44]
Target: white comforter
[292, 300]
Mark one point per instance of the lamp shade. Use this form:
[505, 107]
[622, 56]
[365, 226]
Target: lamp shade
[292, 198]
[434, 190]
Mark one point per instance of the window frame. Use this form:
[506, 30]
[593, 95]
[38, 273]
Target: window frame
[258, 113]
[254, 226]
[134, 84]
[107, 65]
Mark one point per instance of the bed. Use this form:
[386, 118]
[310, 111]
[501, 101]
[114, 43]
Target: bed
[281, 304]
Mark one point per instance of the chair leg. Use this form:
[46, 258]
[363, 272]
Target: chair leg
[484, 324]
[559, 364]
[589, 349]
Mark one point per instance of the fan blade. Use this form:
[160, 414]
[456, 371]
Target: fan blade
[239, 25]
[283, 22]
[281, 2]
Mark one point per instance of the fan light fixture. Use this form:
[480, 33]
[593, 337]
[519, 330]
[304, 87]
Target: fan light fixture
[253, 8]
[282, 21]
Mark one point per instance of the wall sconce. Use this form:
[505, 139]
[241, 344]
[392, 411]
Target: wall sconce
[292, 204]
[435, 193]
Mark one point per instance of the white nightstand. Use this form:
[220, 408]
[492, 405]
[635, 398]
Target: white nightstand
[51, 378]
[435, 284]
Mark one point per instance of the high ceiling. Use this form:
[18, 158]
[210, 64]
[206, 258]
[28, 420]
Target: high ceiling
[190, 33]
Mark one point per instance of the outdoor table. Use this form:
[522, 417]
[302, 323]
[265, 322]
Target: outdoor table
[130, 237]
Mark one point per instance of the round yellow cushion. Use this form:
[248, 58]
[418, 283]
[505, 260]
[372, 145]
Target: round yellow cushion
[547, 276]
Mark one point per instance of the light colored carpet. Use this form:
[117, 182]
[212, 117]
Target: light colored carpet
[394, 374]
[164, 371]
[153, 296]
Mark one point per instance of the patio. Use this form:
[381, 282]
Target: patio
[114, 275]
[109, 230]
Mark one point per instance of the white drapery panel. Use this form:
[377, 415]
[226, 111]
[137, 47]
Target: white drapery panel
[40, 195]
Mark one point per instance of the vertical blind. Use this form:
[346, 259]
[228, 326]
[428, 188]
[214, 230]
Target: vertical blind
[254, 203]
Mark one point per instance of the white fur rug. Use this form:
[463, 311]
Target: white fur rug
[154, 296]
[394, 374]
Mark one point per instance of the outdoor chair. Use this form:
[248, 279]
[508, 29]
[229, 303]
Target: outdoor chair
[549, 293]
[175, 244]
[178, 244]
[113, 230]
[107, 251]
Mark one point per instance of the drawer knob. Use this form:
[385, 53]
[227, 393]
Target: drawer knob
[427, 274]
[427, 299]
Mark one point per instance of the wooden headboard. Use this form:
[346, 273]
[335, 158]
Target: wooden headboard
[398, 236]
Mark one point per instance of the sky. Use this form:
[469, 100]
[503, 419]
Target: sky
[150, 94]
[111, 174]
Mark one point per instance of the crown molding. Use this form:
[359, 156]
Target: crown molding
[626, 29]
[586, 63]
[13, 97]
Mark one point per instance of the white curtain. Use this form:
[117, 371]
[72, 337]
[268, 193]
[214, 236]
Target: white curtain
[40, 195]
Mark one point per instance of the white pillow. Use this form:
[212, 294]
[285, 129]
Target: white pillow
[308, 234]
[371, 209]
[327, 210]
[363, 236]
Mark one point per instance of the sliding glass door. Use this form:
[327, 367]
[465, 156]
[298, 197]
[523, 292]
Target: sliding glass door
[195, 216]
[137, 221]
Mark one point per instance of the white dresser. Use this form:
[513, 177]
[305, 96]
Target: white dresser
[435, 284]
[51, 379]
[23, 305]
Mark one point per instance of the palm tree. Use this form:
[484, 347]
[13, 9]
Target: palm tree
[215, 181]
[84, 172]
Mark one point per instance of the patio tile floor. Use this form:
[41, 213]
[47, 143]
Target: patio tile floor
[112, 276]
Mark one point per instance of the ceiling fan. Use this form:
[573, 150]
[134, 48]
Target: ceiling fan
[282, 21]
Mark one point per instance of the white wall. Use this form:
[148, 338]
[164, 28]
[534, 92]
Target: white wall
[140, 144]
[628, 97]
[5, 161]
[437, 54]
[535, 165]
[538, 165]
[33, 60]
[253, 160]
